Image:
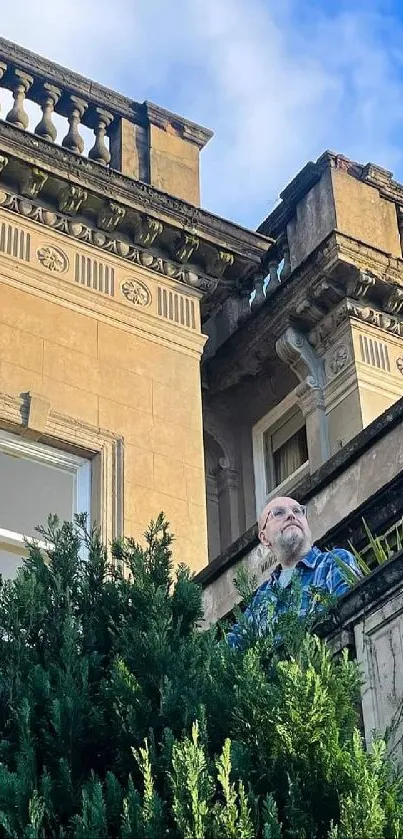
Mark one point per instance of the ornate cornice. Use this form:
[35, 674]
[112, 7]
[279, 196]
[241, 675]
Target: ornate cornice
[330, 325]
[338, 269]
[129, 205]
[106, 242]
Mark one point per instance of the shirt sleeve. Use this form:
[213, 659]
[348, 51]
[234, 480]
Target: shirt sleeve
[250, 623]
[337, 582]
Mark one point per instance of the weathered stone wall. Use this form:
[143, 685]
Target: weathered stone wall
[369, 619]
[107, 359]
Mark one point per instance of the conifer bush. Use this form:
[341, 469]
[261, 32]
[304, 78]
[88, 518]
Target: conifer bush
[120, 718]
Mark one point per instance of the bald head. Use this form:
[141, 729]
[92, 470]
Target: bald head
[283, 528]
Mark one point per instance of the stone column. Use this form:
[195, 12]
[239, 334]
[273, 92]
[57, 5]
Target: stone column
[227, 486]
[295, 350]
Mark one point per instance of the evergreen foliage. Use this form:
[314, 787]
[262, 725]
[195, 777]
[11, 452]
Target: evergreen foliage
[120, 718]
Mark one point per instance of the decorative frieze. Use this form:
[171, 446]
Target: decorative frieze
[15, 242]
[94, 274]
[118, 247]
[176, 307]
[328, 327]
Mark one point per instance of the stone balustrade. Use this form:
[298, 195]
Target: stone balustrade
[278, 270]
[125, 132]
[56, 99]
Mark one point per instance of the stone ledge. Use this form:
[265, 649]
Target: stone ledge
[368, 594]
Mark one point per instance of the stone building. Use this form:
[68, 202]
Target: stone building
[105, 260]
[156, 357]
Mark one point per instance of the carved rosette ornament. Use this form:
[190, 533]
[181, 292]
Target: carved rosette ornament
[52, 258]
[136, 292]
[339, 359]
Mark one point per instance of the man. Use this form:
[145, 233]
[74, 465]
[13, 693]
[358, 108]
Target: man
[284, 529]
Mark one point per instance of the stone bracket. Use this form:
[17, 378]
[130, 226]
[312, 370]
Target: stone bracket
[295, 350]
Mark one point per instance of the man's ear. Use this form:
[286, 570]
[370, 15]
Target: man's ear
[264, 540]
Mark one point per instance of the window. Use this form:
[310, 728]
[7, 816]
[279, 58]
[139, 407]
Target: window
[36, 480]
[280, 450]
[285, 450]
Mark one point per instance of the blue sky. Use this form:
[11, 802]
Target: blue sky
[278, 81]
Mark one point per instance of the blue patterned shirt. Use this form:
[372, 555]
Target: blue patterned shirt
[316, 571]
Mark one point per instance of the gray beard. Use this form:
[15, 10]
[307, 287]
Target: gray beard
[288, 543]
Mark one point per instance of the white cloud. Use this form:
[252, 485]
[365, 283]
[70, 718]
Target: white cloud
[278, 82]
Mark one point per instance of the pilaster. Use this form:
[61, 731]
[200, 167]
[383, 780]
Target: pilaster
[295, 350]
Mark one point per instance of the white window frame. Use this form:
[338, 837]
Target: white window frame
[17, 446]
[270, 422]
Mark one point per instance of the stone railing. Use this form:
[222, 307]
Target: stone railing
[278, 271]
[81, 103]
[368, 621]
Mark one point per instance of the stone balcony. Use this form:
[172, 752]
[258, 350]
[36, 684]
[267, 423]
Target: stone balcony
[364, 480]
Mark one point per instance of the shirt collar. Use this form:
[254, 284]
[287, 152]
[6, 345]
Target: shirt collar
[310, 560]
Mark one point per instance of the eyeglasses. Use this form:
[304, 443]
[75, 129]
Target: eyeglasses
[299, 511]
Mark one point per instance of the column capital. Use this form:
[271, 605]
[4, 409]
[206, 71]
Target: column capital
[310, 398]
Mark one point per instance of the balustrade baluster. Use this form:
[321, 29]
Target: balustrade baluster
[73, 140]
[3, 68]
[45, 128]
[273, 274]
[20, 85]
[260, 297]
[101, 121]
[285, 251]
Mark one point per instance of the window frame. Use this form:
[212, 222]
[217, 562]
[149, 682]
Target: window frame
[13, 444]
[271, 422]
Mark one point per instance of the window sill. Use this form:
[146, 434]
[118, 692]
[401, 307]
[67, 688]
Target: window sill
[290, 483]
